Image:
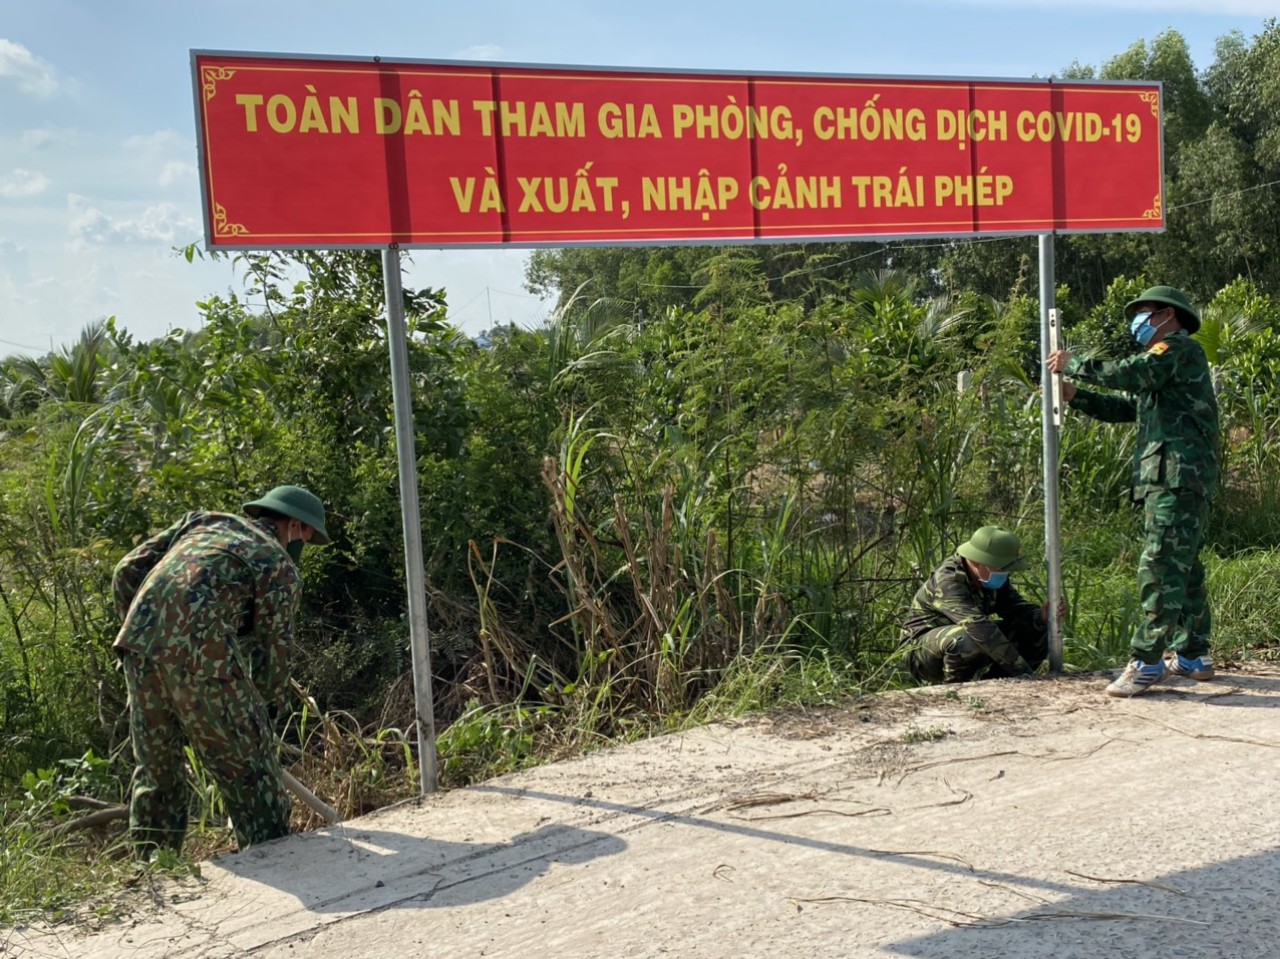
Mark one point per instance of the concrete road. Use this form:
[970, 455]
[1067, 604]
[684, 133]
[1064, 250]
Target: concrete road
[1032, 818]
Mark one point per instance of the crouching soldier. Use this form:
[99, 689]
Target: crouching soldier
[968, 622]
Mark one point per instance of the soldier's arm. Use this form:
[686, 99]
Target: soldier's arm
[129, 573]
[275, 608]
[957, 605]
[1150, 370]
[1108, 408]
[1013, 606]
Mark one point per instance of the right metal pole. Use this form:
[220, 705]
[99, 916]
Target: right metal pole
[1051, 417]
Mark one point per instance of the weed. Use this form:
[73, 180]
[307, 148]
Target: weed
[930, 734]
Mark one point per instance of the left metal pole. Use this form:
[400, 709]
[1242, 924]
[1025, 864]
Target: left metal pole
[415, 579]
[1051, 413]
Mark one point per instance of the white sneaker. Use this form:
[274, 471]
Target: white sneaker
[1200, 669]
[1137, 678]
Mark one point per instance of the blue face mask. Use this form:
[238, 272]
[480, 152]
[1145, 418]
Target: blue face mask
[1141, 328]
[995, 579]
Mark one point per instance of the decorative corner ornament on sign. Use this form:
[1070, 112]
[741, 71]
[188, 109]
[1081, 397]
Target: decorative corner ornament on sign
[211, 77]
[221, 226]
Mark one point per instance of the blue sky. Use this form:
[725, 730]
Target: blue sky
[98, 176]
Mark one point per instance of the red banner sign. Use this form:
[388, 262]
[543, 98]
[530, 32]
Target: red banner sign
[358, 153]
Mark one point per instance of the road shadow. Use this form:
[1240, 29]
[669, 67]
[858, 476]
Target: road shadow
[1218, 911]
[353, 869]
[1227, 689]
[924, 860]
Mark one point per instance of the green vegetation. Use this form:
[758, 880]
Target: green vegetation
[930, 734]
[709, 485]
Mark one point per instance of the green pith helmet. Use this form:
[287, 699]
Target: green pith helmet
[994, 547]
[296, 502]
[1168, 296]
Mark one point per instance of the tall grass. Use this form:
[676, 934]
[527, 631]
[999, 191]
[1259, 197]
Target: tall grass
[47, 875]
[1243, 600]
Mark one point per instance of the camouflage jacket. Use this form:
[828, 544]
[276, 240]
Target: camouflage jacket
[949, 597]
[1171, 397]
[218, 580]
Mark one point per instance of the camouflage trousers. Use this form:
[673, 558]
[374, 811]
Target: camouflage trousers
[1175, 603]
[175, 701]
[949, 654]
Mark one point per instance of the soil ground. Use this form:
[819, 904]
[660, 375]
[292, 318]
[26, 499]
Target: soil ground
[1010, 818]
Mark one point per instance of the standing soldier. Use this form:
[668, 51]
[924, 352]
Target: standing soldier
[1175, 471]
[968, 622]
[208, 609]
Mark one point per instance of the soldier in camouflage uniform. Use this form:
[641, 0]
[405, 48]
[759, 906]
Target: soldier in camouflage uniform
[968, 622]
[1175, 471]
[208, 609]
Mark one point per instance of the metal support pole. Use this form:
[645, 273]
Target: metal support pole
[1050, 417]
[415, 579]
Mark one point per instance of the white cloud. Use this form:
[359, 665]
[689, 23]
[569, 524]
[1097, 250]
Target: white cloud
[34, 76]
[482, 51]
[22, 183]
[55, 291]
[88, 224]
[162, 141]
[46, 137]
[164, 150]
[160, 223]
[177, 172]
[13, 263]
[97, 288]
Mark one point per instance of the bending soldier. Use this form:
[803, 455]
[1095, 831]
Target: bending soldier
[208, 608]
